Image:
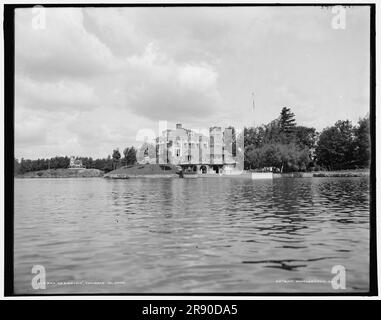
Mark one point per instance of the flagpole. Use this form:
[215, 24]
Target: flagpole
[252, 94]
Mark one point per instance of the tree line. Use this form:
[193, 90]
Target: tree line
[105, 164]
[284, 146]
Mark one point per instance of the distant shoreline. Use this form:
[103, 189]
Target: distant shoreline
[123, 173]
[62, 173]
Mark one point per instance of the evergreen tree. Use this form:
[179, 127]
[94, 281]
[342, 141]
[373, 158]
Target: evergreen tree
[287, 124]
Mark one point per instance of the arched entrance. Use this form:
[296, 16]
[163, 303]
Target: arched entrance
[216, 169]
[203, 169]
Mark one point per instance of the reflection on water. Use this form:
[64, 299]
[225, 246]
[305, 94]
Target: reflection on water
[191, 235]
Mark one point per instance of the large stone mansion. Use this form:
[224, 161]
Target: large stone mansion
[195, 152]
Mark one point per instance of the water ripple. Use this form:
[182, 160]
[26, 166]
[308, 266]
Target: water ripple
[191, 235]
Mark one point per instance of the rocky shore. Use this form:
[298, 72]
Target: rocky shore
[144, 171]
[63, 173]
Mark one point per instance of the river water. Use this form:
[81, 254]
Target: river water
[191, 235]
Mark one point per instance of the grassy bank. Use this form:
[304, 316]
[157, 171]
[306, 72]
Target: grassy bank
[62, 173]
[328, 174]
[343, 173]
[144, 171]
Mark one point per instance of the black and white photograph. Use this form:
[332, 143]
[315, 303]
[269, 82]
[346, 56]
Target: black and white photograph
[192, 149]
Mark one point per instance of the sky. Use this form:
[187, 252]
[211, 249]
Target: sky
[88, 80]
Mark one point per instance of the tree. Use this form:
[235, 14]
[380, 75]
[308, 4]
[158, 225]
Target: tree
[252, 137]
[88, 163]
[362, 142]
[115, 158]
[24, 165]
[335, 147]
[108, 164]
[280, 144]
[253, 157]
[271, 156]
[305, 137]
[129, 156]
[271, 133]
[287, 123]
[16, 166]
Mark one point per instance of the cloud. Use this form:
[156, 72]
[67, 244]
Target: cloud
[63, 48]
[29, 129]
[163, 89]
[61, 96]
[93, 77]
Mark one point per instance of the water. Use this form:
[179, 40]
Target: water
[191, 235]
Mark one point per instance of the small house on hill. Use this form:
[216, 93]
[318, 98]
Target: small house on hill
[75, 163]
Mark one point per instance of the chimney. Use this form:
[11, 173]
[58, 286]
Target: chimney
[179, 126]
